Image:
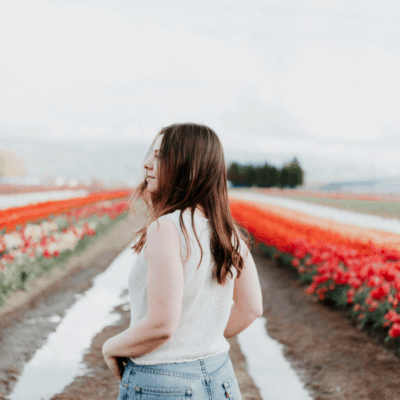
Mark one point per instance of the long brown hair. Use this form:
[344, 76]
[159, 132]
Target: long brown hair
[190, 172]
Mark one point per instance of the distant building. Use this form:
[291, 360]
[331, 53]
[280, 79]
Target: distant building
[11, 165]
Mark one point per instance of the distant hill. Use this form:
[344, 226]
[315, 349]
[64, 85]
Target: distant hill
[116, 162]
[389, 185]
[85, 161]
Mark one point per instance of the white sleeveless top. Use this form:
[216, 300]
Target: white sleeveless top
[206, 305]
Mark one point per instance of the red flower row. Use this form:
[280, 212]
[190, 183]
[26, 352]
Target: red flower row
[10, 218]
[352, 271]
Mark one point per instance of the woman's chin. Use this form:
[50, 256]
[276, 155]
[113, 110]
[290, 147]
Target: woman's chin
[150, 188]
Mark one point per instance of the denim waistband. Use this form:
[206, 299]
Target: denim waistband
[197, 369]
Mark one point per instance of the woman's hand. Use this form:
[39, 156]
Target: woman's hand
[115, 364]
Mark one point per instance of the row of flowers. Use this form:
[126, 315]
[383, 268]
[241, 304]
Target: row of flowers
[37, 248]
[330, 195]
[25, 198]
[352, 271]
[13, 217]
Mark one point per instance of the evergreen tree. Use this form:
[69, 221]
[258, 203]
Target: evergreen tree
[275, 176]
[296, 173]
[251, 175]
[291, 175]
[264, 176]
[284, 176]
[233, 173]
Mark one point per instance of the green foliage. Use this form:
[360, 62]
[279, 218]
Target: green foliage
[286, 259]
[360, 297]
[291, 175]
[338, 296]
[61, 223]
[306, 277]
[268, 250]
[294, 174]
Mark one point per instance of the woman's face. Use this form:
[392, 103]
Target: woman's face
[151, 166]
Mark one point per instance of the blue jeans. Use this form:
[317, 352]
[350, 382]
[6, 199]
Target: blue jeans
[210, 378]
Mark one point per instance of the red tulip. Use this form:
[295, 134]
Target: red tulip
[394, 331]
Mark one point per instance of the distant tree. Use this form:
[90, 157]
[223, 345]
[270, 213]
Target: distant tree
[291, 174]
[265, 175]
[296, 173]
[233, 173]
[238, 174]
[243, 175]
[251, 175]
[275, 176]
[284, 176]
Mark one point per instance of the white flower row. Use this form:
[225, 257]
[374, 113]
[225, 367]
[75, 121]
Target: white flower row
[61, 241]
[34, 231]
[326, 212]
[12, 240]
[23, 199]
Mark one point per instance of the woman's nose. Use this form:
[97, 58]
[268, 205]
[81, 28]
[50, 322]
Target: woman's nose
[148, 164]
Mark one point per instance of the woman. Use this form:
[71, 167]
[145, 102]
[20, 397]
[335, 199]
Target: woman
[194, 283]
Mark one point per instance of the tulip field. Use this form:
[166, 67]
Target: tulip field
[37, 237]
[352, 266]
[339, 258]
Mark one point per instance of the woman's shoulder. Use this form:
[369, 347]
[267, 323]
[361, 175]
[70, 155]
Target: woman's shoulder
[162, 236]
[161, 228]
[165, 222]
[174, 216]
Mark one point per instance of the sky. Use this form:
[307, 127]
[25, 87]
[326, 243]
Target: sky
[314, 79]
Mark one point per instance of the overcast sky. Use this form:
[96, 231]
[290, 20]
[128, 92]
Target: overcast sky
[316, 79]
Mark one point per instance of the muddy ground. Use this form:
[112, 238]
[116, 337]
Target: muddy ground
[333, 358]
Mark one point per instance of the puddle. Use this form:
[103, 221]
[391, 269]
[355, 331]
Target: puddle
[54, 319]
[271, 372]
[58, 361]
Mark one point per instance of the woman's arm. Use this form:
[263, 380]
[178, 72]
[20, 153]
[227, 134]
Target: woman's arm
[136, 340]
[247, 298]
[164, 296]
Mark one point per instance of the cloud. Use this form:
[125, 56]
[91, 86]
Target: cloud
[253, 116]
[344, 93]
[59, 57]
[306, 79]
